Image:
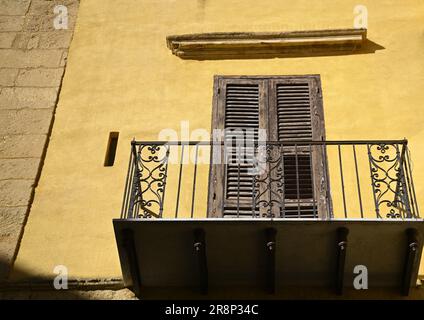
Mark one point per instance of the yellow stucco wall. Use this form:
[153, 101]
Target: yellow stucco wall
[122, 77]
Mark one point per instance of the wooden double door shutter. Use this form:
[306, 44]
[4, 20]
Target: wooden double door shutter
[290, 180]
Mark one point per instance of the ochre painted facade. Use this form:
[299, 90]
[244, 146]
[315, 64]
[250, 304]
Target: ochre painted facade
[122, 77]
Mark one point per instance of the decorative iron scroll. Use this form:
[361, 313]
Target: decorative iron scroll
[388, 181]
[268, 185]
[150, 180]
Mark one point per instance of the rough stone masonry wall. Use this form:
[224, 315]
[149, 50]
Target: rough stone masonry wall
[32, 62]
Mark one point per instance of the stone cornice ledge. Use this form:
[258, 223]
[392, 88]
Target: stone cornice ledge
[204, 45]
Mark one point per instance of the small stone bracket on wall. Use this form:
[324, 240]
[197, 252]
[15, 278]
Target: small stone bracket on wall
[257, 44]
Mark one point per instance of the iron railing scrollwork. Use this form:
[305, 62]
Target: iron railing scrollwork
[147, 180]
[388, 167]
[271, 195]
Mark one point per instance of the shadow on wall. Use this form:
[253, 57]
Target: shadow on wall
[368, 47]
[38, 288]
[34, 287]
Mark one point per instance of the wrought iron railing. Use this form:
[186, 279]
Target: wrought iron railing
[296, 179]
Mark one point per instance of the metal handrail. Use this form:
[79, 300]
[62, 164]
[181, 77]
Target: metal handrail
[291, 142]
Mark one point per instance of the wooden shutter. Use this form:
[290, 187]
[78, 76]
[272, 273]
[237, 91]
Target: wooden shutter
[289, 109]
[297, 103]
[241, 110]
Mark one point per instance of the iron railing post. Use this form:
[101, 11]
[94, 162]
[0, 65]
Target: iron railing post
[377, 210]
[413, 195]
[127, 190]
[135, 185]
[403, 190]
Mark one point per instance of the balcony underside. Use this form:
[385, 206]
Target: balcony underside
[160, 253]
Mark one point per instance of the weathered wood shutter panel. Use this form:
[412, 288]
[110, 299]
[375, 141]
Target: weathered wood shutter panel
[241, 122]
[241, 113]
[297, 103]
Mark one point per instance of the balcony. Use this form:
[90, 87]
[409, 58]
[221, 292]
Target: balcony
[208, 215]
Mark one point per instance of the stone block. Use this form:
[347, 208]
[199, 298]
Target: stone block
[46, 7]
[22, 146]
[6, 39]
[18, 98]
[39, 77]
[58, 39]
[7, 77]
[11, 58]
[26, 40]
[15, 192]
[46, 23]
[12, 219]
[26, 168]
[11, 23]
[14, 7]
[25, 121]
